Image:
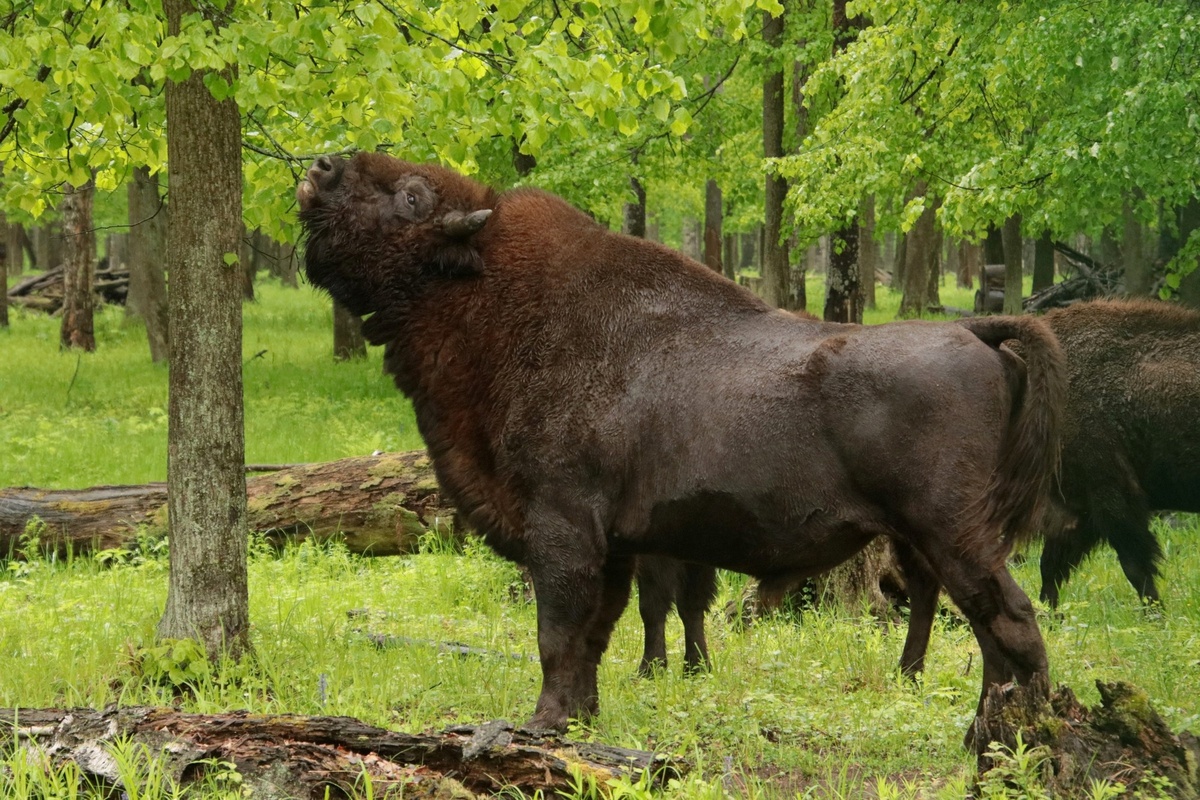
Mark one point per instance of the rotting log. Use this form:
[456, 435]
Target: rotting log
[1123, 740]
[283, 755]
[379, 505]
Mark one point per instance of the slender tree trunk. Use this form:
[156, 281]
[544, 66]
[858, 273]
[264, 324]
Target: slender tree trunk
[1013, 274]
[712, 225]
[1189, 221]
[348, 341]
[4, 275]
[207, 590]
[634, 223]
[993, 246]
[1043, 261]
[15, 248]
[920, 258]
[843, 297]
[147, 257]
[246, 264]
[1139, 279]
[79, 273]
[690, 237]
[775, 272]
[969, 262]
[288, 267]
[868, 253]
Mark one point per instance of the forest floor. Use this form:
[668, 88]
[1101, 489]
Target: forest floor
[805, 704]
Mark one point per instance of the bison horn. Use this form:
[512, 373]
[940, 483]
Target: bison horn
[458, 225]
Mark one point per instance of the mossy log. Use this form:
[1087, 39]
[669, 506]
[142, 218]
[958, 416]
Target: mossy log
[1123, 740]
[379, 505]
[292, 756]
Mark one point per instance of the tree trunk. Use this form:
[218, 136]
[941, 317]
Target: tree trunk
[690, 236]
[1043, 261]
[970, 257]
[14, 248]
[348, 341]
[378, 505]
[1013, 274]
[288, 265]
[247, 265]
[147, 257]
[775, 272]
[634, 223]
[843, 297]
[1139, 278]
[993, 246]
[4, 270]
[712, 225]
[1189, 221]
[868, 253]
[288, 755]
[920, 259]
[207, 590]
[79, 265]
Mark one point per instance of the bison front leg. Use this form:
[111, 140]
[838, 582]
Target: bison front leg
[923, 589]
[580, 596]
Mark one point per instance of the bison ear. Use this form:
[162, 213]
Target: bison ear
[457, 225]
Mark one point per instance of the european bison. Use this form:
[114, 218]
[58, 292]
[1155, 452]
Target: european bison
[587, 397]
[1131, 440]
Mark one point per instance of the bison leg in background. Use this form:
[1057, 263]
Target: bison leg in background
[923, 589]
[1062, 552]
[1125, 522]
[617, 580]
[664, 582]
[697, 594]
[659, 581]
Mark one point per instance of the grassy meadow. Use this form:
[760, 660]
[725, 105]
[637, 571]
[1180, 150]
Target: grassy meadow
[798, 705]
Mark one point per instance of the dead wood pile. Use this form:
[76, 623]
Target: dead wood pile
[44, 292]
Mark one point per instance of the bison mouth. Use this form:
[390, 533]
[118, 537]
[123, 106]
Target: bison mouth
[323, 176]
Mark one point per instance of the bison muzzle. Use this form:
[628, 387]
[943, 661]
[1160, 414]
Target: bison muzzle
[587, 397]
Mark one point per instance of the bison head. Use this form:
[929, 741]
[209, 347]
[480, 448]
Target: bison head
[377, 225]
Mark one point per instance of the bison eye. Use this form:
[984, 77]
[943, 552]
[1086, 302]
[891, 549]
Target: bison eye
[412, 200]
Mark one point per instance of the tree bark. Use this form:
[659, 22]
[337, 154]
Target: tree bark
[843, 296]
[970, 261]
[79, 265]
[712, 225]
[1139, 279]
[690, 239]
[4, 270]
[920, 260]
[288, 755]
[1043, 261]
[348, 341]
[14, 248]
[378, 505]
[993, 246]
[1189, 221]
[1013, 273]
[776, 274]
[868, 253]
[634, 223]
[147, 256]
[207, 589]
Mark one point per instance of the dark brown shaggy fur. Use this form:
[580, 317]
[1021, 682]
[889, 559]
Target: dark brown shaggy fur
[1131, 437]
[588, 397]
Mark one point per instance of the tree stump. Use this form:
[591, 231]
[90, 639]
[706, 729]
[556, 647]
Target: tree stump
[1122, 740]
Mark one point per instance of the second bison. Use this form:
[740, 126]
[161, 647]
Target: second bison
[587, 397]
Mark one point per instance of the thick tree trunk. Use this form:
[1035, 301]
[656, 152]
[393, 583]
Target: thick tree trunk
[775, 272]
[1043, 261]
[1013, 273]
[207, 595]
[287, 755]
[843, 296]
[713, 212]
[634, 223]
[378, 505]
[147, 257]
[348, 341]
[79, 265]
[920, 260]
[1139, 278]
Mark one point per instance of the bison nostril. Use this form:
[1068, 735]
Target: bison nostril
[323, 163]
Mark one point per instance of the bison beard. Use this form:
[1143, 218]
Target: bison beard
[587, 397]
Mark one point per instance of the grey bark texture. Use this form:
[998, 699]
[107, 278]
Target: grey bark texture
[147, 258]
[634, 223]
[14, 248]
[4, 275]
[713, 211]
[1013, 272]
[207, 589]
[921, 248]
[79, 268]
[1043, 261]
[868, 253]
[1139, 278]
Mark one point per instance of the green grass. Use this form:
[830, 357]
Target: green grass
[794, 708]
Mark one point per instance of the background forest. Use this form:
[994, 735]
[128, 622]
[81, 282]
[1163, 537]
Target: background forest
[863, 160]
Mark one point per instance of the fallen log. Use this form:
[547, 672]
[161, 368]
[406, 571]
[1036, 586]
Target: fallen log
[284, 755]
[1123, 740]
[379, 505]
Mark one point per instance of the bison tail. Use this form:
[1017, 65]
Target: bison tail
[1018, 494]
